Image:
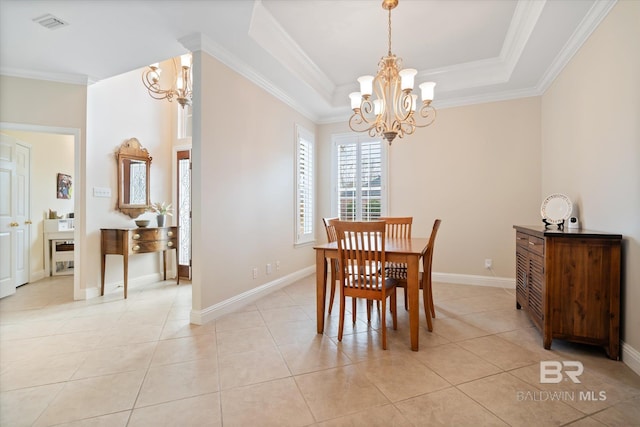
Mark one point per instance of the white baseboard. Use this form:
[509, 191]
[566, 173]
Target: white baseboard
[36, 275]
[132, 283]
[467, 279]
[630, 357]
[86, 293]
[230, 305]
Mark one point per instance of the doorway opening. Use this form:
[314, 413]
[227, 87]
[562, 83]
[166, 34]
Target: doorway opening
[78, 201]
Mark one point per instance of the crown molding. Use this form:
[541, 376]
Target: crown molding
[267, 32]
[506, 95]
[525, 18]
[596, 14]
[76, 79]
[199, 42]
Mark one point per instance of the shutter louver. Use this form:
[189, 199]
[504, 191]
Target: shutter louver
[359, 181]
[304, 190]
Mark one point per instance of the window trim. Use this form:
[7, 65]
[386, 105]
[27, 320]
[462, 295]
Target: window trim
[184, 121]
[303, 134]
[351, 138]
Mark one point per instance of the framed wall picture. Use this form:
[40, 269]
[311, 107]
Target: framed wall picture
[64, 186]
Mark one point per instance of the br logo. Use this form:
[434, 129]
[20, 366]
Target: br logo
[553, 372]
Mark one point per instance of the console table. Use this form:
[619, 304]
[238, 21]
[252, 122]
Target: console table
[131, 241]
[568, 281]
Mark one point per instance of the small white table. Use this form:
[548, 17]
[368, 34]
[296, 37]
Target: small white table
[57, 232]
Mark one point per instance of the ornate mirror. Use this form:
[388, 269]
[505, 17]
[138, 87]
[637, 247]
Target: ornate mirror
[134, 167]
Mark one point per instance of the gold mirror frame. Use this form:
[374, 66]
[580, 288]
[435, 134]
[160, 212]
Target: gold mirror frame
[132, 153]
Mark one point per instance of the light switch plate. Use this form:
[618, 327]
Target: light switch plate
[101, 192]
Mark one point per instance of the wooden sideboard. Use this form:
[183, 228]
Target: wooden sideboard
[569, 283]
[131, 241]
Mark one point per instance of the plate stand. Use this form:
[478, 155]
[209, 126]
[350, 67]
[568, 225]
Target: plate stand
[547, 224]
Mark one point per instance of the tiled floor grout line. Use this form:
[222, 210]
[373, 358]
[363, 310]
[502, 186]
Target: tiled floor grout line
[137, 308]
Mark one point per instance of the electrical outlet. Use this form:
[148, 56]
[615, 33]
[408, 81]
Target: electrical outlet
[488, 263]
[268, 269]
[255, 273]
[277, 265]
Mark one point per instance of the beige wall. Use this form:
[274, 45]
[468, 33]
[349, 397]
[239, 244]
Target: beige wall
[119, 108]
[61, 106]
[477, 168]
[50, 154]
[591, 142]
[243, 175]
[44, 103]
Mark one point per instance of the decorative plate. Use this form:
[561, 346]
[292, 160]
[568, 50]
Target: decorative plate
[556, 208]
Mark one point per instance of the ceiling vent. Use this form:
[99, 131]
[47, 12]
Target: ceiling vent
[51, 22]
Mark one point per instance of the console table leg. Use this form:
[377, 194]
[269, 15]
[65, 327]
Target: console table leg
[102, 268]
[164, 264]
[126, 273]
[177, 268]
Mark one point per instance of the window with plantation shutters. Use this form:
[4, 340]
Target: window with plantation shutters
[304, 203]
[359, 178]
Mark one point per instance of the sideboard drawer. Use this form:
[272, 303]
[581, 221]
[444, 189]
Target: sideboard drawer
[149, 246]
[530, 243]
[522, 240]
[148, 234]
[536, 245]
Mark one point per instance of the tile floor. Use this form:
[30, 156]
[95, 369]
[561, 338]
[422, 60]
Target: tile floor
[138, 362]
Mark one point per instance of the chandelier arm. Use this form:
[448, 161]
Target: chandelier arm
[402, 104]
[182, 92]
[359, 122]
[407, 127]
[381, 90]
[151, 80]
[156, 93]
[427, 115]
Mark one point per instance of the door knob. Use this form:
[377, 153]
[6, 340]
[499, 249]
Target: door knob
[14, 224]
[28, 222]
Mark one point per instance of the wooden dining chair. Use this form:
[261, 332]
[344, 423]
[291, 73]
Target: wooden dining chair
[398, 227]
[425, 280]
[361, 255]
[335, 272]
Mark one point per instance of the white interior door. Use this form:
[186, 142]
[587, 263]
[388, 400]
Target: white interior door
[15, 221]
[7, 221]
[23, 212]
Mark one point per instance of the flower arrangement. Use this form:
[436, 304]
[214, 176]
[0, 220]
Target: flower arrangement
[161, 208]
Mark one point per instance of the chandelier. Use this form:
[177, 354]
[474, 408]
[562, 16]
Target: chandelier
[180, 90]
[385, 105]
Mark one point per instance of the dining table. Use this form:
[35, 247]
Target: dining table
[400, 250]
